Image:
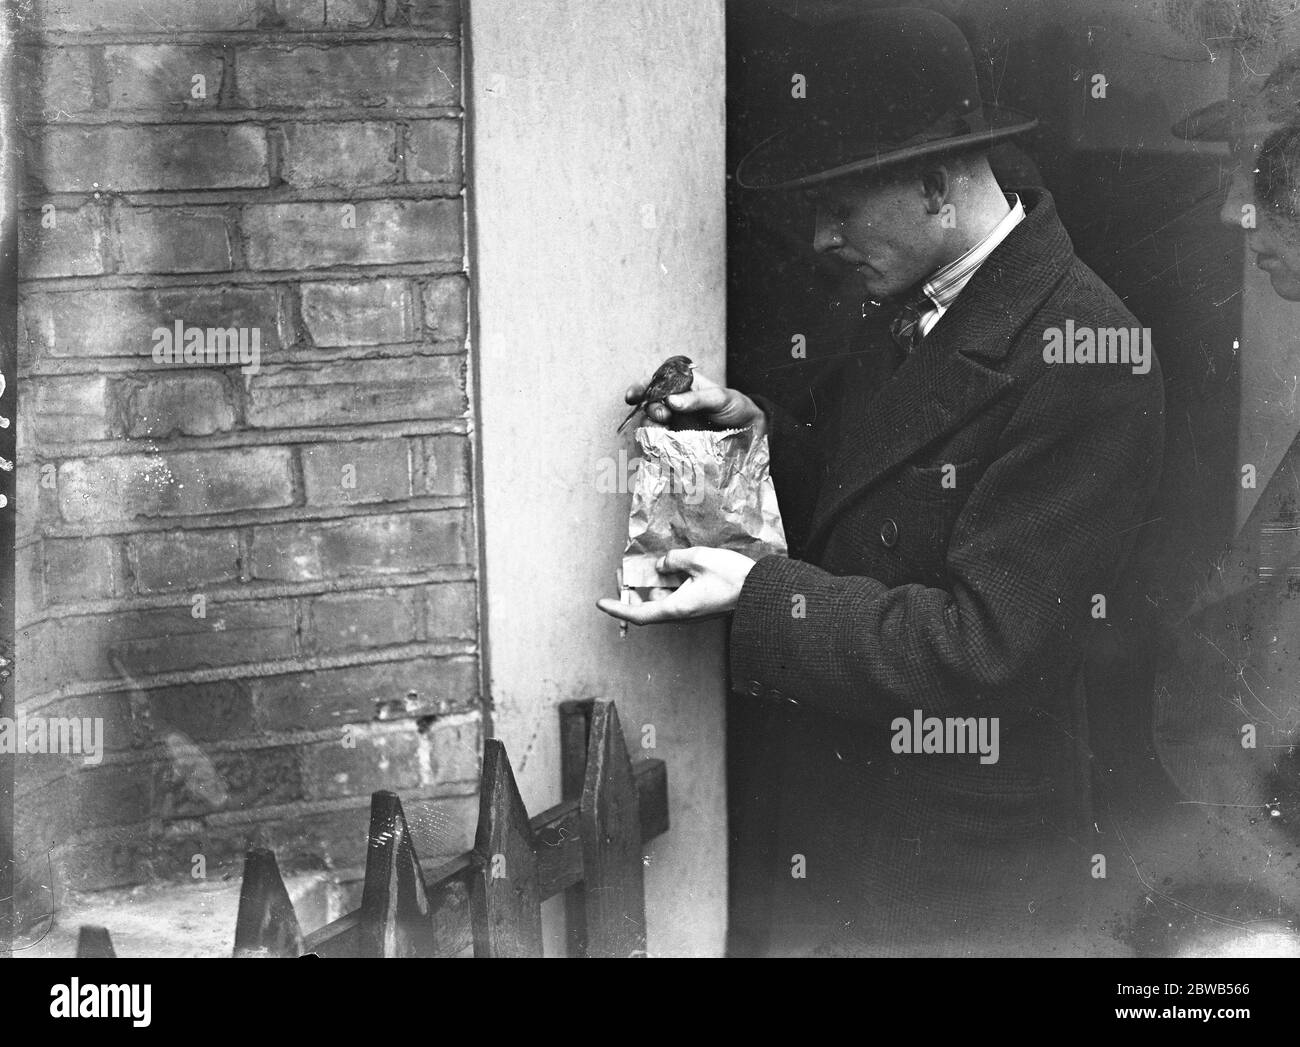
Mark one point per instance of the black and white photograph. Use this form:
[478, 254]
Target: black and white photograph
[664, 479]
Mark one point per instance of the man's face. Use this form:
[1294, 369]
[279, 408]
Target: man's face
[1275, 238]
[881, 231]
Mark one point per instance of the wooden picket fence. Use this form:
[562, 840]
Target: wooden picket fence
[588, 847]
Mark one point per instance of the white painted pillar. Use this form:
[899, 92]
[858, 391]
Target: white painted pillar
[598, 232]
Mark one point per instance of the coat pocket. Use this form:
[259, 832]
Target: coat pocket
[945, 483]
[930, 500]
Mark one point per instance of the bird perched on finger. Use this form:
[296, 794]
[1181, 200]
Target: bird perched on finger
[675, 375]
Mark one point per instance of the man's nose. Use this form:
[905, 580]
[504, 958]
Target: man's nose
[1238, 210]
[826, 232]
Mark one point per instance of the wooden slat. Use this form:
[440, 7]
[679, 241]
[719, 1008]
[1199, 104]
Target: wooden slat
[338, 938]
[266, 924]
[448, 885]
[394, 914]
[505, 904]
[610, 824]
[559, 864]
[94, 943]
[575, 729]
[558, 831]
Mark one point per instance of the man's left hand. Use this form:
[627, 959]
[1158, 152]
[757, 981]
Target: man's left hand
[713, 588]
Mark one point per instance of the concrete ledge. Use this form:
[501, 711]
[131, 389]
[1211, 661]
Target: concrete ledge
[177, 920]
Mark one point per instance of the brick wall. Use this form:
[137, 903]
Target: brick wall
[234, 567]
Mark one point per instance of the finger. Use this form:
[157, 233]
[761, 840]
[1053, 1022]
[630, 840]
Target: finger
[700, 380]
[680, 561]
[651, 613]
[659, 413]
[634, 394]
[710, 398]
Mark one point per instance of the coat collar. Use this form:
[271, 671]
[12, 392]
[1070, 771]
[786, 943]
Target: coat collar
[956, 370]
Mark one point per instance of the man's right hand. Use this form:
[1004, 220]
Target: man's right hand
[705, 405]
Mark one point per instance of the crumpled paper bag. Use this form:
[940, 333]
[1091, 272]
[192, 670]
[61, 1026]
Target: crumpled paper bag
[697, 487]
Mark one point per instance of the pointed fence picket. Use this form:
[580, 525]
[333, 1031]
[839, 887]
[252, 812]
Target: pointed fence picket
[589, 848]
[94, 943]
[266, 924]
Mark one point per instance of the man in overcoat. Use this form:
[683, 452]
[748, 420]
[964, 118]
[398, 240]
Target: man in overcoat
[960, 496]
[1227, 702]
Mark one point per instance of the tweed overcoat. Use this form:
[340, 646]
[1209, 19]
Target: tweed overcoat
[1232, 664]
[956, 522]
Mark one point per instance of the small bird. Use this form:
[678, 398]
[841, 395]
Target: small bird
[675, 375]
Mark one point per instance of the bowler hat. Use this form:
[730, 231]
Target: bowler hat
[880, 89]
[1273, 103]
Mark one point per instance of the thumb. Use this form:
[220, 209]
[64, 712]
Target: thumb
[710, 398]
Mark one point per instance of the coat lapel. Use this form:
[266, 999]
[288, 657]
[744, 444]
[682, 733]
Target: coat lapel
[956, 372]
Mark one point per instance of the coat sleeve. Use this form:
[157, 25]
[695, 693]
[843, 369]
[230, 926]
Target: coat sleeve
[1046, 527]
[1238, 568]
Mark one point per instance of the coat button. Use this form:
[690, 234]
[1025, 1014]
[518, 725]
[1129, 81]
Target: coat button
[889, 534]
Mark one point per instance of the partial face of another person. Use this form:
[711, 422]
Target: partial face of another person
[1264, 201]
[883, 231]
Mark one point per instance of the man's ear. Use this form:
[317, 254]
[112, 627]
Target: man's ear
[934, 187]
